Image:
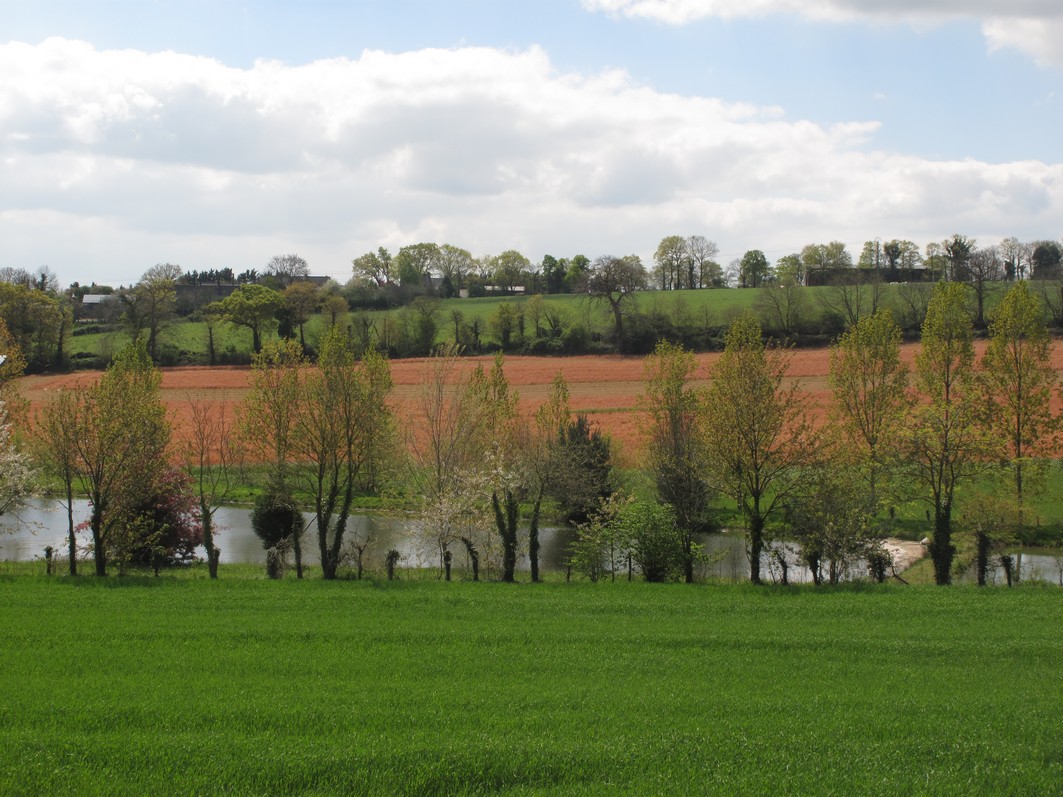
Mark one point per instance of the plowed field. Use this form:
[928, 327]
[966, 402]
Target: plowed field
[604, 387]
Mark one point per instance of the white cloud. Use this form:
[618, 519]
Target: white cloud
[114, 160]
[1030, 26]
[1038, 38]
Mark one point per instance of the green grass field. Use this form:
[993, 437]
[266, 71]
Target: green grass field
[699, 307]
[178, 685]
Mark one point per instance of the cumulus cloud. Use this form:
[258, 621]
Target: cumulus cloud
[114, 160]
[1030, 26]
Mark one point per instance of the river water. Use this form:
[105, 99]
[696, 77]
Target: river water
[43, 522]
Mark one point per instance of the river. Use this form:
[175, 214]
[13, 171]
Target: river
[42, 522]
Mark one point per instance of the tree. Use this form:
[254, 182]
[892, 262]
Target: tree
[286, 269]
[157, 526]
[869, 384]
[377, 266]
[656, 542]
[447, 442]
[341, 418]
[944, 447]
[455, 264]
[672, 416]
[783, 305]
[671, 263]
[35, 320]
[582, 471]
[1017, 382]
[153, 301]
[252, 306]
[790, 270]
[984, 269]
[851, 297]
[614, 280]
[301, 300]
[553, 271]
[414, 264]
[902, 257]
[268, 418]
[55, 436]
[17, 474]
[601, 542]
[1046, 258]
[753, 269]
[822, 257]
[121, 442]
[758, 437]
[503, 453]
[1014, 254]
[277, 521]
[701, 254]
[957, 251]
[508, 268]
[209, 453]
[830, 516]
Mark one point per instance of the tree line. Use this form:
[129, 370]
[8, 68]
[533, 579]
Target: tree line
[326, 433]
[282, 298]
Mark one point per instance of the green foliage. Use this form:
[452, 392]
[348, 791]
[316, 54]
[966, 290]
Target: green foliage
[656, 543]
[758, 438]
[944, 446]
[869, 384]
[1017, 381]
[676, 452]
[583, 471]
[252, 306]
[274, 517]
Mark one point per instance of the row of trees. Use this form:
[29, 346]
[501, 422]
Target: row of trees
[749, 435]
[328, 433]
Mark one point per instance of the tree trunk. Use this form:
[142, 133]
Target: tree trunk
[328, 566]
[982, 561]
[688, 558]
[506, 523]
[941, 547]
[71, 539]
[756, 544]
[474, 557]
[298, 547]
[208, 537]
[99, 552]
[533, 541]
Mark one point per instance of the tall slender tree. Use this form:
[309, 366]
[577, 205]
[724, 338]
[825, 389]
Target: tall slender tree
[268, 417]
[1017, 381]
[944, 445]
[671, 421]
[869, 382]
[758, 436]
[339, 416]
[121, 442]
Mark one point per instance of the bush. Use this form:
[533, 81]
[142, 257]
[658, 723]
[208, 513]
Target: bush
[655, 540]
[275, 517]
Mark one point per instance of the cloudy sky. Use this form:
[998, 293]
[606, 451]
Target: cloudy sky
[221, 133]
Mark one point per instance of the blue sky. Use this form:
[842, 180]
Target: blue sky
[222, 133]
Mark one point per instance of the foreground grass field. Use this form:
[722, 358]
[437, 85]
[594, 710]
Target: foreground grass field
[249, 686]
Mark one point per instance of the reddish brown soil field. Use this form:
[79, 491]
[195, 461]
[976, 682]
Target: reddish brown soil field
[604, 387]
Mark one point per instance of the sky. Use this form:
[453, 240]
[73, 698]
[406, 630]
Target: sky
[222, 133]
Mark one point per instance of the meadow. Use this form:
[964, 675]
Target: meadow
[712, 308]
[179, 686]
